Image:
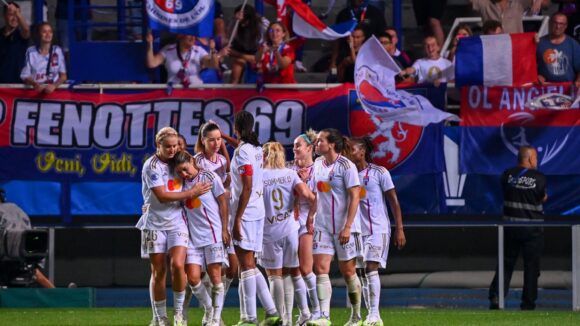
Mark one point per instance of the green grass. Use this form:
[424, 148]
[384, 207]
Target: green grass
[394, 316]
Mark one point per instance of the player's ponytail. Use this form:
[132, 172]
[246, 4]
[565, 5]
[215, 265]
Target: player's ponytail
[244, 125]
[366, 144]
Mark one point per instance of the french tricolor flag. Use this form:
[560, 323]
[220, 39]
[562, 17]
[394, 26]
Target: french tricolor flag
[496, 60]
[306, 24]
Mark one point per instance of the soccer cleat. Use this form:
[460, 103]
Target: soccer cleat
[178, 320]
[302, 320]
[354, 321]
[247, 323]
[272, 321]
[373, 321]
[322, 321]
[161, 321]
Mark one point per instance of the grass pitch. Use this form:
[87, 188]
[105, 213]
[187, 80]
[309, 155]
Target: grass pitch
[391, 316]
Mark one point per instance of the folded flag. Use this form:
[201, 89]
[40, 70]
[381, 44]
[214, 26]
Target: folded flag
[496, 60]
[192, 17]
[374, 78]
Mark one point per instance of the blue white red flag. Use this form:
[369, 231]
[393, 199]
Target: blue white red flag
[192, 17]
[305, 23]
[374, 77]
[496, 60]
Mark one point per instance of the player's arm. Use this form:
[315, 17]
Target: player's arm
[223, 207]
[353, 201]
[231, 140]
[400, 239]
[168, 196]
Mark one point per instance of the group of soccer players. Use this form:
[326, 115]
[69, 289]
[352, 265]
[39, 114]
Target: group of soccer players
[222, 219]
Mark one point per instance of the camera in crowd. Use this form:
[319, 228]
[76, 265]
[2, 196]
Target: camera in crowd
[22, 249]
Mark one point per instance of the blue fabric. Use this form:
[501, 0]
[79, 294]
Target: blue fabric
[469, 62]
[558, 62]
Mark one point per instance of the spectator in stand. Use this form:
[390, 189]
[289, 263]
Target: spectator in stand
[433, 68]
[44, 67]
[492, 27]
[219, 25]
[508, 12]
[183, 60]
[14, 38]
[387, 43]
[246, 40]
[275, 57]
[346, 59]
[461, 31]
[557, 54]
[399, 55]
[368, 17]
[428, 15]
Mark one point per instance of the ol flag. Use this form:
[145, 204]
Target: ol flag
[192, 17]
[374, 78]
[306, 24]
[496, 60]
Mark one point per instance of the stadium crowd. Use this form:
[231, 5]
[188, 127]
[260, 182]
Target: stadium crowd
[254, 49]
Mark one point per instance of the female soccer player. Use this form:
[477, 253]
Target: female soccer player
[163, 229]
[280, 248]
[207, 157]
[247, 205]
[337, 186]
[376, 184]
[303, 164]
[207, 217]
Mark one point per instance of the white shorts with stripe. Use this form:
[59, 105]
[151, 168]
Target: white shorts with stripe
[281, 253]
[211, 254]
[160, 241]
[252, 235]
[376, 248]
[325, 243]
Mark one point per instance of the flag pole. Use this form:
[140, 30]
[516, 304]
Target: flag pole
[235, 30]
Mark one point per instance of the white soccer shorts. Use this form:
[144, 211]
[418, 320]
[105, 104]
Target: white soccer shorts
[160, 241]
[326, 243]
[281, 253]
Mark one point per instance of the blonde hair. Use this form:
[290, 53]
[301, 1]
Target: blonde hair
[275, 155]
[164, 133]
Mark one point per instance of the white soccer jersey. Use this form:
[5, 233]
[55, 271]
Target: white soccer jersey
[279, 198]
[332, 184]
[428, 70]
[36, 65]
[219, 166]
[247, 161]
[160, 216]
[375, 181]
[303, 204]
[173, 63]
[203, 214]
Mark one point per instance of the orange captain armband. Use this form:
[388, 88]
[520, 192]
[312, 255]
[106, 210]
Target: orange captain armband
[246, 170]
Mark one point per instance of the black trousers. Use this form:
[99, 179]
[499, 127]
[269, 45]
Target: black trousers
[530, 241]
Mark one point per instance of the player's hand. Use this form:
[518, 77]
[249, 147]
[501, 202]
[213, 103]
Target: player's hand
[199, 189]
[226, 237]
[344, 236]
[237, 231]
[400, 240]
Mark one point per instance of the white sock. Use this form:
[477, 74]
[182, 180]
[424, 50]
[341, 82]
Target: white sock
[227, 282]
[178, 302]
[354, 294]
[277, 292]
[310, 281]
[160, 309]
[264, 294]
[300, 290]
[187, 301]
[248, 284]
[201, 295]
[207, 283]
[324, 289]
[217, 299]
[288, 298]
[365, 290]
[243, 315]
[374, 292]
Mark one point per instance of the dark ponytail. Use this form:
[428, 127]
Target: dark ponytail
[244, 125]
[366, 144]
